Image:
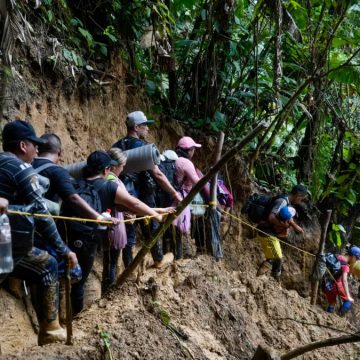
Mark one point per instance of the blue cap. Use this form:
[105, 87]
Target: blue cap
[354, 251]
[285, 214]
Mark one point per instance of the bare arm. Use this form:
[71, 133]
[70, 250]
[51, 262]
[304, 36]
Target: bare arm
[164, 183]
[346, 286]
[122, 197]
[296, 227]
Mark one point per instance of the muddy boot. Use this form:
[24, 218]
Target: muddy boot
[50, 329]
[264, 268]
[167, 259]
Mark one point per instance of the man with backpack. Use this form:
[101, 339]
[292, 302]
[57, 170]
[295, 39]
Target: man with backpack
[142, 185]
[335, 282]
[102, 195]
[20, 186]
[268, 234]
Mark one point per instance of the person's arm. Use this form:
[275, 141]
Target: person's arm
[164, 183]
[3, 205]
[82, 206]
[27, 182]
[296, 227]
[344, 278]
[122, 197]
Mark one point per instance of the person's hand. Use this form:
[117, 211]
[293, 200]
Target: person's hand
[168, 210]
[114, 221]
[73, 261]
[177, 197]
[129, 216]
[160, 218]
[300, 230]
[351, 299]
[3, 205]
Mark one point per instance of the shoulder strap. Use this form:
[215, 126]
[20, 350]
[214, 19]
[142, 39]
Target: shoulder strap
[44, 167]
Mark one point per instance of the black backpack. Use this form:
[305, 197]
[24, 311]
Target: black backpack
[258, 206]
[89, 193]
[167, 167]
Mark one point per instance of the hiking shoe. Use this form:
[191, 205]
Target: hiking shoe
[346, 305]
[167, 259]
[264, 268]
[330, 309]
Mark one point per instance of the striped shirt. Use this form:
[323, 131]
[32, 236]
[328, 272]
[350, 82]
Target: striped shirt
[20, 186]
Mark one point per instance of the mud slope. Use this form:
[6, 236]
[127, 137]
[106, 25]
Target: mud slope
[197, 309]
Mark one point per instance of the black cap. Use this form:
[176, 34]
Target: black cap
[20, 130]
[299, 189]
[99, 160]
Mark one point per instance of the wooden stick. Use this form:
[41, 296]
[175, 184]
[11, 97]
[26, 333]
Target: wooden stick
[315, 284]
[69, 330]
[182, 205]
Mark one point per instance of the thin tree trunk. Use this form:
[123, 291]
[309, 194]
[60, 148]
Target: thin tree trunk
[321, 344]
[324, 228]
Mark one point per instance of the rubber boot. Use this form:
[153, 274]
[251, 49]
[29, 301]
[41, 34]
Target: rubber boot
[50, 329]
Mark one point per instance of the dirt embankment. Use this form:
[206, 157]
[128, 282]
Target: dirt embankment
[195, 309]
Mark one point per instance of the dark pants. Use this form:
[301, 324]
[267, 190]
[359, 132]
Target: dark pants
[85, 249]
[110, 260]
[172, 241]
[198, 232]
[147, 230]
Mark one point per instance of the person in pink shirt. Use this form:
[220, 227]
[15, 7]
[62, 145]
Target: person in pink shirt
[187, 177]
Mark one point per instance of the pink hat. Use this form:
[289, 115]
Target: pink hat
[186, 142]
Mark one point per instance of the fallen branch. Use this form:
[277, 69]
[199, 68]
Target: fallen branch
[203, 181]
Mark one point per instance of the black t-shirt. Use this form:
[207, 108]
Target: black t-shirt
[107, 192]
[61, 183]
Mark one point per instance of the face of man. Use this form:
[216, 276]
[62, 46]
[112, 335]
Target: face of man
[298, 198]
[142, 130]
[29, 151]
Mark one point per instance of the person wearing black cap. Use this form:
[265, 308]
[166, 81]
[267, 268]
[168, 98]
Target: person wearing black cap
[19, 185]
[142, 185]
[97, 169]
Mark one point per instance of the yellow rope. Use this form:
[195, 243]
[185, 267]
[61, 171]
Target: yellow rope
[263, 232]
[106, 222]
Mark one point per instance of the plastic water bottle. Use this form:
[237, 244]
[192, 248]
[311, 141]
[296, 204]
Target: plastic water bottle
[6, 260]
[107, 216]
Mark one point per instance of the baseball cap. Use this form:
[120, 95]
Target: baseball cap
[354, 251]
[137, 118]
[186, 142]
[99, 160]
[286, 213]
[20, 130]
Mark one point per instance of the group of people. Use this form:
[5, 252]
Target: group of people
[41, 247]
[32, 181]
[278, 219]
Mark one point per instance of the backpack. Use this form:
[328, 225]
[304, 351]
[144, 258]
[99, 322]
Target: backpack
[88, 192]
[258, 206]
[224, 196]
[168, 168]
[333, 264]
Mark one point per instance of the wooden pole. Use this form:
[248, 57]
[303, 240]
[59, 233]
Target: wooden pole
[213, 187]
[182, 205]
[320, 344]
[324, 228]
[69, 331]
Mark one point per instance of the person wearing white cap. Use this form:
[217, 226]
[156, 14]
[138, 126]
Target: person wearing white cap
[142, 186]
